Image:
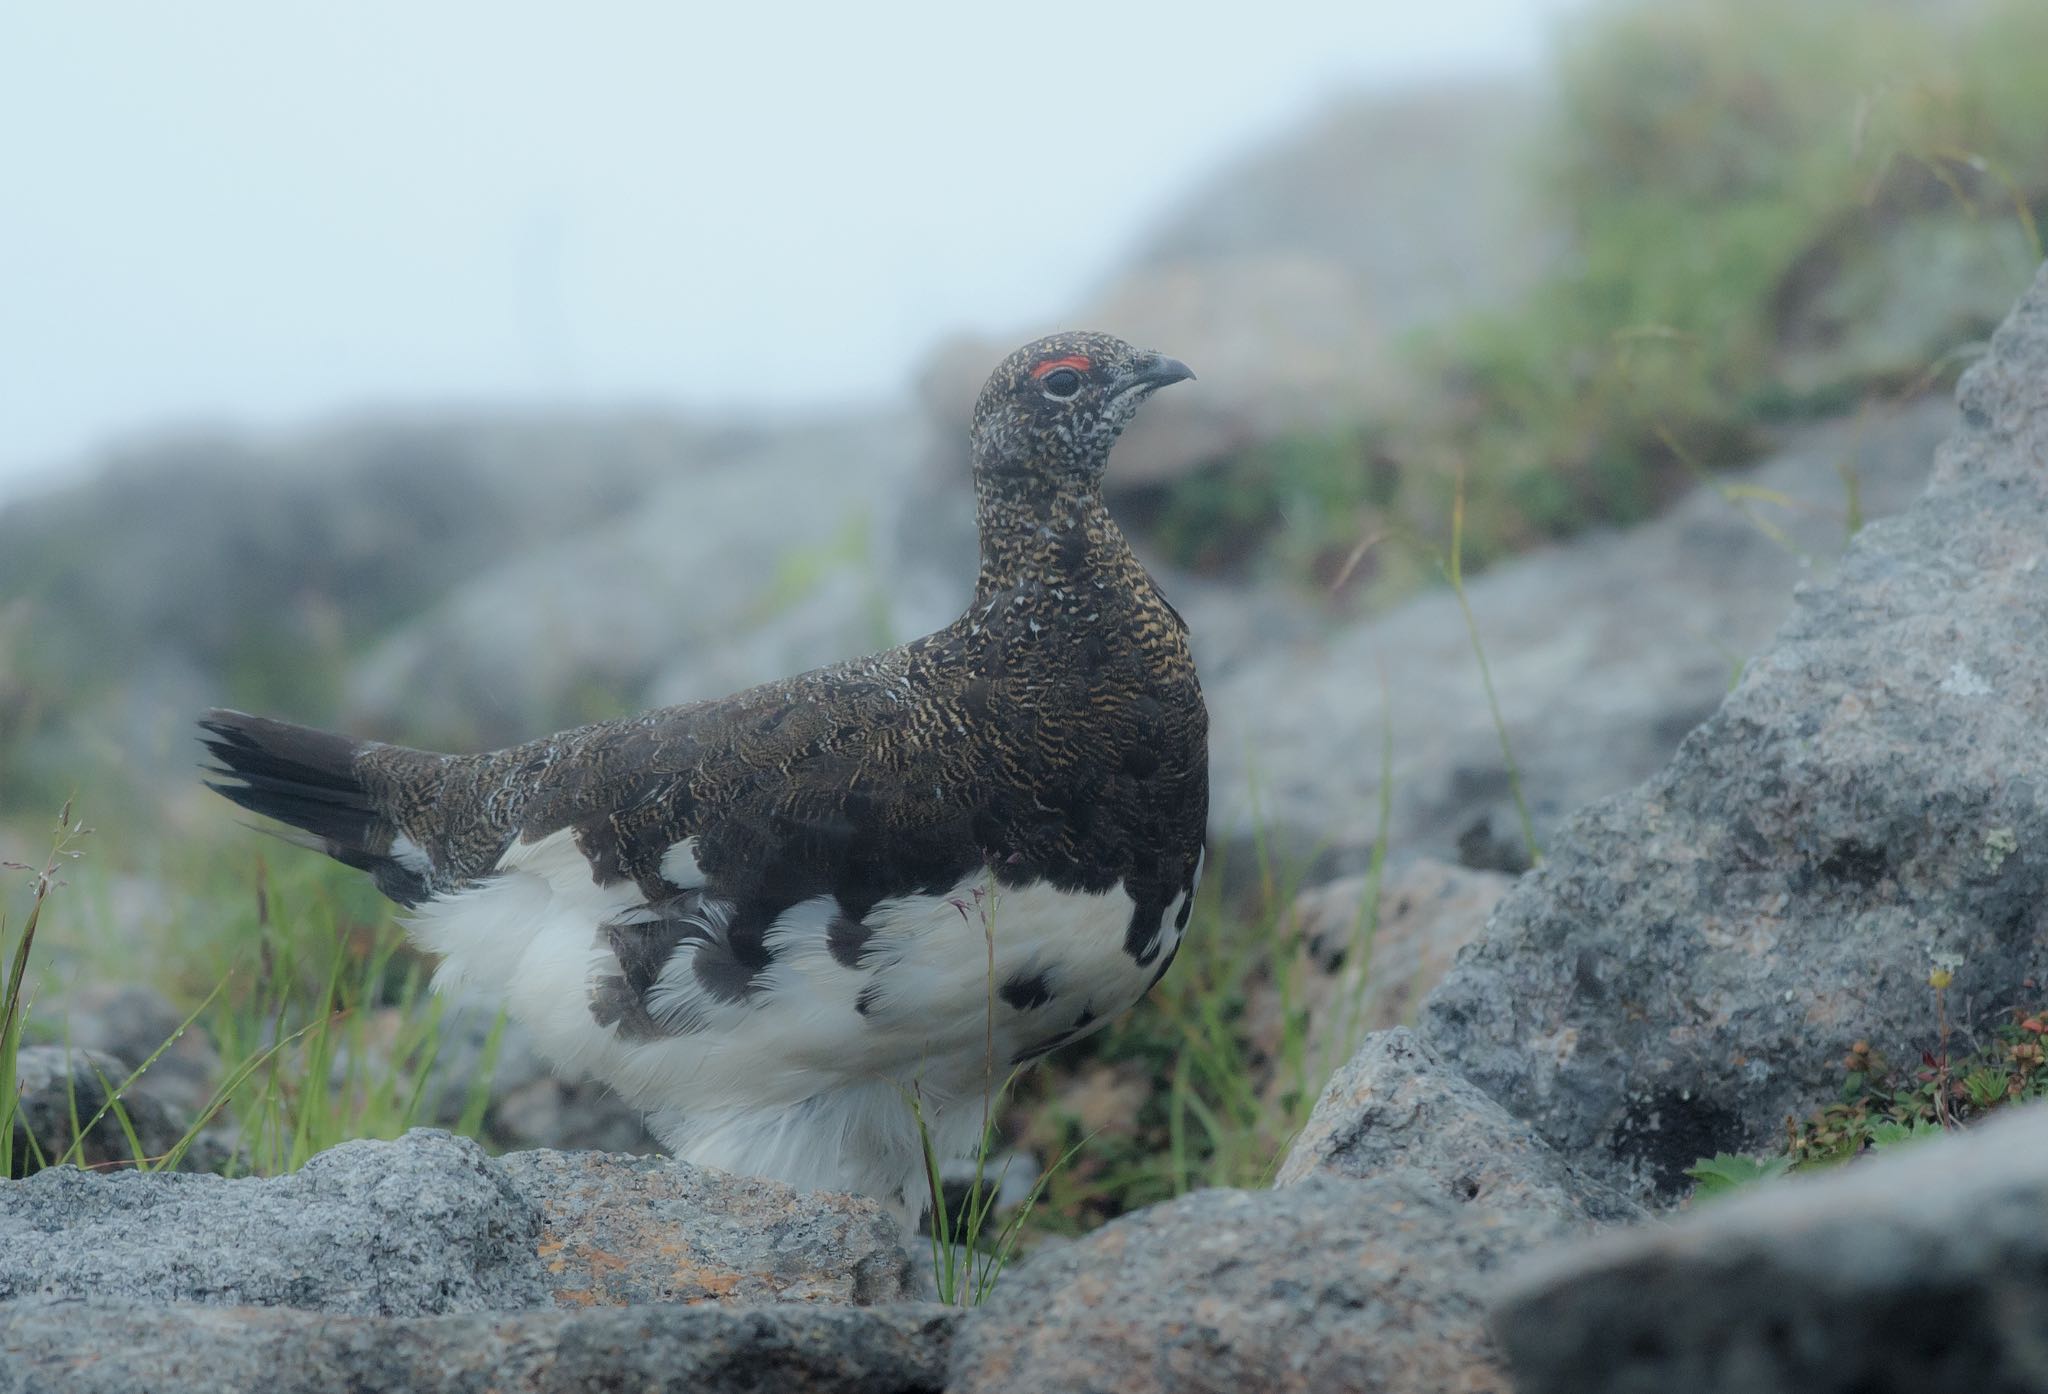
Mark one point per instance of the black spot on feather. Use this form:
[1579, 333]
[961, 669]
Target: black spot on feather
[1141, 939]
[1026, 991]
[729, 964]
[847, 938]
[614, 1002]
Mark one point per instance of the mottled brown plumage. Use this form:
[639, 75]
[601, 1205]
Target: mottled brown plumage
[1051, 738]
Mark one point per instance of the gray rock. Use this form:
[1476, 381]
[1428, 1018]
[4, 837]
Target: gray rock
[59, 1085]
[1604, 654]
[620, 1231]
[1887, 295]
[527, 1104]
[567, 1114]
[133, 1022]
[652, 601]
[1472, 231]
[1366, 968]
[1918, 1271]
[422, 1225]
[1330, 1285]
[429, 1224]
[104, 1347]
[1395, 1106]
[1684, 971]
[195, 560]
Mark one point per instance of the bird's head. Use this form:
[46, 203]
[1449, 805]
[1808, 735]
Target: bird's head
[1050, 411]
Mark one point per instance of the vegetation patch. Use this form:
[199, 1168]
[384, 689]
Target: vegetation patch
[1774, 211]
[1884, 1103]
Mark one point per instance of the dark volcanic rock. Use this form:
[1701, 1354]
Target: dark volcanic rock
[1396, 1106]
[1870, 802]
[1327, 1286]
[1921, 1271]
[100, 1347]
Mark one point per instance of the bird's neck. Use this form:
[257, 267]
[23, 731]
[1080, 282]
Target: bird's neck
[1035, 534]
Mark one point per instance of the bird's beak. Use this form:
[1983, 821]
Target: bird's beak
[1160, 372]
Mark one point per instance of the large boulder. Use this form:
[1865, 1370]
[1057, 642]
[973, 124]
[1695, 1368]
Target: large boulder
[194, 569]
[1395, 1106]
[1421, 196]
[202, 543]
[621, 1231]
[1327, 1286]
[1869, 804]
[1367, 966]
[571, 629]
[429, 1224]
[410, 1228]
[1923, 1270]
[1604, 653]
[104, 1347]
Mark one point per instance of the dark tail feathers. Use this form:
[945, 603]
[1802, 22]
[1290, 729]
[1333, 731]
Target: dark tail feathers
[306, 778]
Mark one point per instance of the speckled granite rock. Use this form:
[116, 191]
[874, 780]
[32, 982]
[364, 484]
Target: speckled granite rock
[620, 1231]
[429, 1224]
[1395, 1106]
[1923, 1270]
[1693, 958]
[1328, 1286]
[423, 1225]
[1346, 986]
[100, 1347]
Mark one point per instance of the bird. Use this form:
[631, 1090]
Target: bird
[810, 927]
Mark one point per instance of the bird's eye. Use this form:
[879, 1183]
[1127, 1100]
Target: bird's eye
[1061, 382]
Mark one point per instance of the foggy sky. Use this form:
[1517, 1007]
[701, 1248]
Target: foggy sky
[264, 212]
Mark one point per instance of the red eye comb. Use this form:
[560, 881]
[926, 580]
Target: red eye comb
[1080, 363]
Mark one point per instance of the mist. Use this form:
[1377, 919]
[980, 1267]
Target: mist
[245, 213]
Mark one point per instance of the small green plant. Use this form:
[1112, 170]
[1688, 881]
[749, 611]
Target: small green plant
[333, 1021]
[1454, 572]
[971, 1248]
[304, 984]
[14, 989]
[1728, 1171]
[1882, 1105]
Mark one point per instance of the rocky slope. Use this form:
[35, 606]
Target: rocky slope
[1867, 802]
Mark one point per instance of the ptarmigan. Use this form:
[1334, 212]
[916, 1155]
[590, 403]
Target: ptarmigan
[768, 920]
